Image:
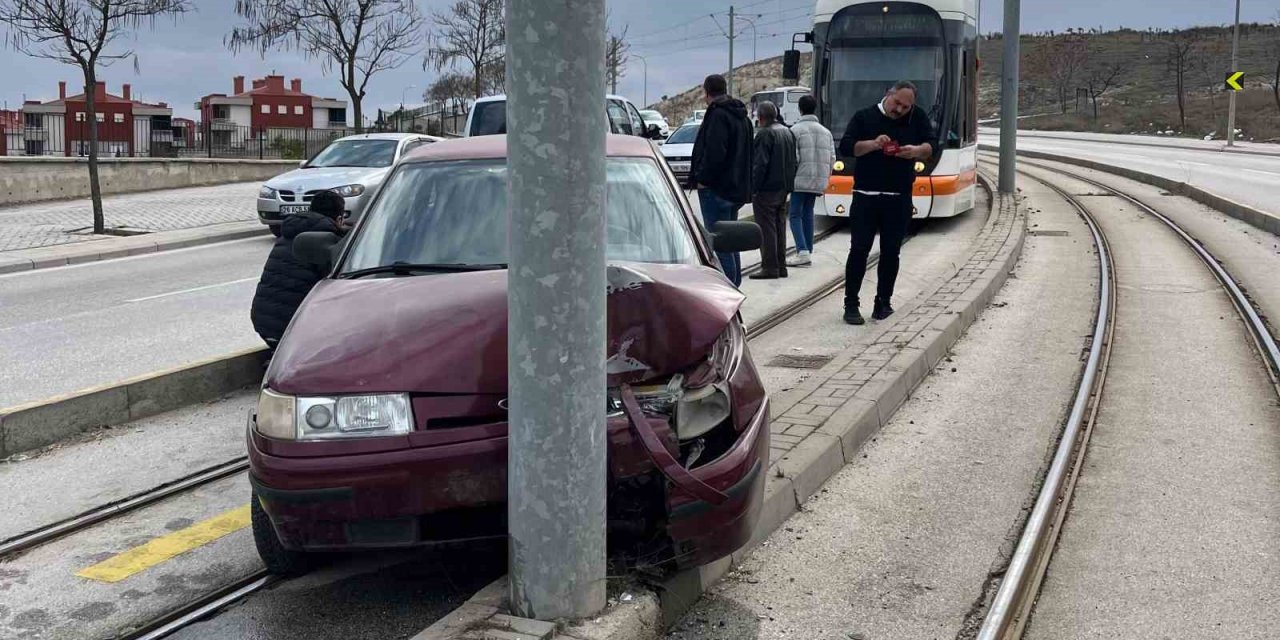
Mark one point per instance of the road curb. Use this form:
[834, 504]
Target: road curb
[801, 472]
[1243, 212]
[37, 424]
[105, 249]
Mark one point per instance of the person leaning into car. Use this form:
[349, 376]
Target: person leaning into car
[286, 280]
[887, 139]
[720, 168]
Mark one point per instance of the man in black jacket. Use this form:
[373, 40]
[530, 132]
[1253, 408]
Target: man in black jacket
[721, 165]
[774, 176]
[286, 281]
[887, 139]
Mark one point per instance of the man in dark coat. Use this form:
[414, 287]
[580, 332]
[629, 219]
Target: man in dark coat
[721, 165]
[286, 281]
[773, 176]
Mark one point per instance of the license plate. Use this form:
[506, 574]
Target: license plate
[680, 167]
[290, 209]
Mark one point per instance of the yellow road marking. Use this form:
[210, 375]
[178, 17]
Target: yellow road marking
[119, 567]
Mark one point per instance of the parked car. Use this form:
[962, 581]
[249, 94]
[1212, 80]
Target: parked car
[652, 117]
[353, 167]
[678, 150]
[696, 117]
[382, 417]
[488, 117]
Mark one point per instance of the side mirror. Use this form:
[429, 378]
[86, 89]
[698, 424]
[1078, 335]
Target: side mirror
[791, 66]
[319, 248]
[733, 236]
[652, 132]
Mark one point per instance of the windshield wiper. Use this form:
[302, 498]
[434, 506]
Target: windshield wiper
[401, 268]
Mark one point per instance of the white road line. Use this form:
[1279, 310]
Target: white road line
[178, 293]
[47, 271]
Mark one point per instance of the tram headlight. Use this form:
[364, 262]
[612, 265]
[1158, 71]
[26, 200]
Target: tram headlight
[839, 165]
[919, 167]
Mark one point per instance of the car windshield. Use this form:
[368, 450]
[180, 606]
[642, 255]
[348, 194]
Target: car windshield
[683, 135]
[489, 119]
[455, 213]
[651, 116]
[356, 153]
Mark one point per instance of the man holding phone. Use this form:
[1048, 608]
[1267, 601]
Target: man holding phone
[887, 139]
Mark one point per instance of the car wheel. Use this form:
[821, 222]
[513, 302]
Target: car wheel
[275, 230]
[278, 560]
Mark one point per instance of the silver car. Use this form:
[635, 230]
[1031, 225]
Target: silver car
[353, 167]
[678, 150]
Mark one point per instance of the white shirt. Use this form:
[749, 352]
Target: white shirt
[878, 193]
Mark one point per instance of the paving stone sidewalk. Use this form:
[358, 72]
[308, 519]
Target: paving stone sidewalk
[54, 223]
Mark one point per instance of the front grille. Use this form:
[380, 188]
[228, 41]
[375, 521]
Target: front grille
[292, 196]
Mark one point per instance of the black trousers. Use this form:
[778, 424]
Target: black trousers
[890, 216]
[770, 213]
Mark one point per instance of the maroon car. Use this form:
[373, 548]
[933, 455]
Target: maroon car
[382, 418]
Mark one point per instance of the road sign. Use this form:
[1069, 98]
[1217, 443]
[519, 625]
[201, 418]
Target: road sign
[1233, 81]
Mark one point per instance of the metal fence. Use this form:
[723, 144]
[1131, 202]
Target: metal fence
[163, 137]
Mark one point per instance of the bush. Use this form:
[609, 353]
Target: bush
[288, 149]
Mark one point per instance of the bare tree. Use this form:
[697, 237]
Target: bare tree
[617, 51]
[1060, 60]
[474, 32]
[452, 90]
[1101, 73]
[1275, 53]
[360, 38]
[1179, 60]
[79, 32]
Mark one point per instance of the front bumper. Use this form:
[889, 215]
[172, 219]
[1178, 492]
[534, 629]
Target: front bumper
[269, 209]
[457, 491]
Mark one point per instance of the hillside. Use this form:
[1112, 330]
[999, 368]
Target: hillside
[1143, 99]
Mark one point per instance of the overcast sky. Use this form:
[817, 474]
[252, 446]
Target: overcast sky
[178, 63]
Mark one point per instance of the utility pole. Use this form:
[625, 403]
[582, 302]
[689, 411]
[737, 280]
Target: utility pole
[645, 99]
[1231, 99]
[731, 21]
[556, 308]
[1009, 97]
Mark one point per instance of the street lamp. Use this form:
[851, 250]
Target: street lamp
[645, 99]
[754, 34]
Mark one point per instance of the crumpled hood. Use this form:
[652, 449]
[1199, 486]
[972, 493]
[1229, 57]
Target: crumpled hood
[447, 333]
[327, 178]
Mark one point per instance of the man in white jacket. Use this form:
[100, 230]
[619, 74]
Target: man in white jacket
[817, 150]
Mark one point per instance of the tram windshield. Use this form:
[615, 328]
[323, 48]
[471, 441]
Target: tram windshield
[867, 54]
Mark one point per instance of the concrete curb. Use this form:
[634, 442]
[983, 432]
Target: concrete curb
[790, 481]
[106, 249]
[1245, 213]
[36, 424]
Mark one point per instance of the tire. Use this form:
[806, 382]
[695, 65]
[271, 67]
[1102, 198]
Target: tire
[275, 229]
[278, 560]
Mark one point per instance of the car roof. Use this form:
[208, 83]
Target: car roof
[386, 136]
[496, 147]
[503, 96]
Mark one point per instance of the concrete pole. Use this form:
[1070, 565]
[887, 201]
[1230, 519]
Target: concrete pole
[556, 297]
[1009, 97]
[1231, 99]
[732, 19]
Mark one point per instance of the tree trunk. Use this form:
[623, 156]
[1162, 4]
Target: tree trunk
[1182, 109]
[1275, 86]
[91, 115]
[1094, 98]
[356, 108]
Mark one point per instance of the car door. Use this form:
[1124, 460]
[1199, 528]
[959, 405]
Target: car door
[637, 123]
[619, 121]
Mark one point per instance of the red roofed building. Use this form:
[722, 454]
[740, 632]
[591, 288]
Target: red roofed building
[126, 127]
[269, 104]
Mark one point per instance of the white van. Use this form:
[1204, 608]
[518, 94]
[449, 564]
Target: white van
[787, 99]
[488, 117]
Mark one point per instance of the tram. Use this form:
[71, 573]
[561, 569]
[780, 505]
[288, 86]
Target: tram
[860, 49]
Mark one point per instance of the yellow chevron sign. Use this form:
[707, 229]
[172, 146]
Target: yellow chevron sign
[1233, 81]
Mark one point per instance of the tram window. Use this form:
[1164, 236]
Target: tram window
[860, 76]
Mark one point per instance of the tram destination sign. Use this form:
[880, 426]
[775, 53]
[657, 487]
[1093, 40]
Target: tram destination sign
[887, 25]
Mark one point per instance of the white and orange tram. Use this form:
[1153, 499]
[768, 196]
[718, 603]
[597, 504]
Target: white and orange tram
[860, 49]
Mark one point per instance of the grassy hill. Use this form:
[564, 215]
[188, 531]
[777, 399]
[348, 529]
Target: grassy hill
[1144, 99]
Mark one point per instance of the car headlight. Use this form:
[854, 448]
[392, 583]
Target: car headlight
[350, 191]
[267, 192]
[331, 418]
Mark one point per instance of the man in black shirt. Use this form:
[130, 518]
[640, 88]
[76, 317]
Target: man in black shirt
[887, 139]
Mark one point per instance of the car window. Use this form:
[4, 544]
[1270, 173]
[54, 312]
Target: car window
[489, 119]
[637, 123]
[413, 144]
[455, 212]
[684, 135]
[794, 96]
[619, 122]
[356, 153]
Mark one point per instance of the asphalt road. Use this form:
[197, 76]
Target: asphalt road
[68, 328]
[1247, 177]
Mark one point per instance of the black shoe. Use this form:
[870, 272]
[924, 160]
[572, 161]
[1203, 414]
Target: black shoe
[882, 311]
[782, 274]
[851, 316]
[763, 276]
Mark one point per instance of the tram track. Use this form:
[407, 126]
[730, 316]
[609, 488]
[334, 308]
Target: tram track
[1021, 580]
